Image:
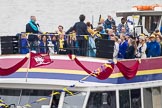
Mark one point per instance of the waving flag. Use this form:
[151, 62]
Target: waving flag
[37, 59]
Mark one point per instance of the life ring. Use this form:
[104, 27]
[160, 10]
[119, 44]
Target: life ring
[146, 7]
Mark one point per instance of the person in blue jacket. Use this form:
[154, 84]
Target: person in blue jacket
[43, 45]
[109, 22]
[153, 47]
[122, 47]
[161, 29]
[24, 44]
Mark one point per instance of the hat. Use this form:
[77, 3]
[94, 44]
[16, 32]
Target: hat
[142, 34]
[152, 36]
[142, 37]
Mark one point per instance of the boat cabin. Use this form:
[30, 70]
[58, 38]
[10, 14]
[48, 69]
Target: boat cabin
[144, 21]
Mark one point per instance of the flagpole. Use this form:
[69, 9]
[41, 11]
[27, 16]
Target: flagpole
[27, 72]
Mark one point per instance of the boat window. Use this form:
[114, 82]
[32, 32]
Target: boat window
[154, 22]
[147, 96]
[152, 97]
[105, 99]
[31, 96]
[55, 101]
[10, 96]
[151, 23]
[74, 101]
[124, 99]
[130, 98]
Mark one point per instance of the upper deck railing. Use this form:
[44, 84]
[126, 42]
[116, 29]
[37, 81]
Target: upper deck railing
[82, 45]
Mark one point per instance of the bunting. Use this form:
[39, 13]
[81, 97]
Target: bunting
[128, 72]
[101, 73]
[105, 70]
[13, 69]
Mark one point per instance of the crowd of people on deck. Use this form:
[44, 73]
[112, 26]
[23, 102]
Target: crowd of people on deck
[127, 46]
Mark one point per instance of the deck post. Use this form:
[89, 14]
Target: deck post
[61, 101]
[142, 99]
[117, 98]
[86, 99]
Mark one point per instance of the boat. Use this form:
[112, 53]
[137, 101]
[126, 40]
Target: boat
[66, 84]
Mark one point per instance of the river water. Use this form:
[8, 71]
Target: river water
[51, 13]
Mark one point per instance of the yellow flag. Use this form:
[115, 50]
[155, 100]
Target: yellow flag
[41, 99]
[55, 93]
[27, 105]
[65, 89]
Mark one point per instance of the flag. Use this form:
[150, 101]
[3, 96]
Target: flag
[37, 59]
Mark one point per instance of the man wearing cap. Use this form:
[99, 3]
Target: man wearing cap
[153, 47]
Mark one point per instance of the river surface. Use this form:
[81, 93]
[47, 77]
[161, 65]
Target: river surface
[51, 13]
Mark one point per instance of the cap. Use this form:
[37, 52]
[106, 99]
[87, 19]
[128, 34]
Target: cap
[152, 36]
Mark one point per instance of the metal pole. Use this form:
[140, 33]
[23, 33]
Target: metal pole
[142, 99]
[27, 69]
[0, 47]
[61, 101]
[86, 99]
[20, 97]
[117, 99]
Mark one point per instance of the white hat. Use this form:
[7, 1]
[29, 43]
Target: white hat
[142, 37]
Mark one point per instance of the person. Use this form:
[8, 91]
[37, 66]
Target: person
[90, 28]
[43, 45]
[123, 26]
[24, 44]
[122, 47]
[116, 46]
[141, 48]
[109, 22]
[32, 27]
[131, 49]
[101, 22]
[153, 48]
[161, 29]
[79, 27]
[60, 30]
[55, 44]
[62, 44]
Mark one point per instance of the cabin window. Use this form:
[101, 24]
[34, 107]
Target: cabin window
[74, 101]
[130, 98]
[55, 101]
[151, 23]
[30, 96]
[105, 99]
[10, 96]
[152, 97]
[147, 96]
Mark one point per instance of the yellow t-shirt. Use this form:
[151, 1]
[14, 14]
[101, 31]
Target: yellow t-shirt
[61, 42]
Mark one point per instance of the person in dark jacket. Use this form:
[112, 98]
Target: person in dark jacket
[32, 27]
[79, 27]
[43, 45]
[130, 52]
[109, 22]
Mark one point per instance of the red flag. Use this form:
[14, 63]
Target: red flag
[37, 59]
